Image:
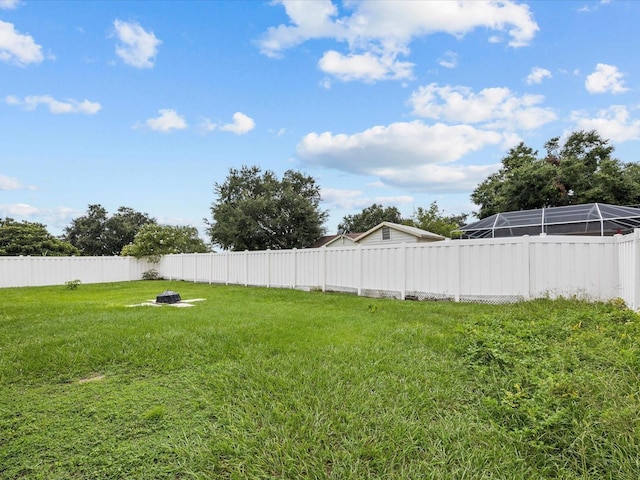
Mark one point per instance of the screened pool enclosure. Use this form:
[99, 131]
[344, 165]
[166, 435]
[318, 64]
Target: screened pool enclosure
[589, 219]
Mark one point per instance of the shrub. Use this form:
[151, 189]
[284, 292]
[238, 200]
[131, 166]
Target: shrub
[151, 274]
[72, 284]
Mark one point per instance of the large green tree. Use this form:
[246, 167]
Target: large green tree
[30, 238]
[369, 218]
[434, 220]
[581, 170]
[258, 211]
[97, 233]
[153, 240]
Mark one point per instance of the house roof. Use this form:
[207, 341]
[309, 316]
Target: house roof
[327, 239]
[350, 236]
[585, 219]
[322, 241]
[416, 232]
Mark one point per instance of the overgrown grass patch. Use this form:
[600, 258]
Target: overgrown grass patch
[267, 383]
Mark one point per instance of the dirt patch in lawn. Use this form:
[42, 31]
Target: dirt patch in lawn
[93, 377]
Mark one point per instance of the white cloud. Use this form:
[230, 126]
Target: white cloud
[449, 60]
[10, 183]
[494, 107]
[347, 199]
[17, 48]
[20, 210]
[241, 124]
[605, 79]
[537, 75]
[378, 32]
[12, 100]
[326, 83]
[137, 47]
[309, 20]
[403, 154]
[438, 178]
[395, 200]
[614, 123]
[412, 143]
[391, 23]
[589, 8]
[207, 125]
[54, 218]
[355, 199]
[9, 4]
[31, 102]
[168, 120]
[366, 67]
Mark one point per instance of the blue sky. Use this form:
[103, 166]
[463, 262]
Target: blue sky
[148, 104]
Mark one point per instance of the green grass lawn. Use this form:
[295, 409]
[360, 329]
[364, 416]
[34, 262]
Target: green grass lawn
[268, 383]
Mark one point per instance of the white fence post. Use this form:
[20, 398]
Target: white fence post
[295, 268]
[268, 268]
[246, 268]
[404, 272]
[360, 270]
[456, 271]
[211, 267]
[636, 270]
[324, 269]
[526, 267]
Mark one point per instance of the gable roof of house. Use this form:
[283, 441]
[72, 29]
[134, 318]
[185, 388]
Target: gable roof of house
[322, 241]
[416, 232]
[350, 236]
[327, 239]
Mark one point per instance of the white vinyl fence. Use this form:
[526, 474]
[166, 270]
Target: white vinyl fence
[492, 270]
[38, 271]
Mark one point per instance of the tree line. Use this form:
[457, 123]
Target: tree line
[256, 210]
[96, 233]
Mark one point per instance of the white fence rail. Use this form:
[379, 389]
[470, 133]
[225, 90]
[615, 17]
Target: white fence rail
[491, 270]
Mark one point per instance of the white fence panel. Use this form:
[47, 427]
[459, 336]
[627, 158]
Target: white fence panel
[219, 268]
[257, 268]
[341, 270]
[40, 271]
[310, 268]
[282, 268]
[567, 266]
[170, 266]
[629, 268]
[432, 273]
[493, 269]
[237, 263]
[383, 271]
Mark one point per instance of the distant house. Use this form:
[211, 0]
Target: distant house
[383, 233]
[341, 240]
[387, 232]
